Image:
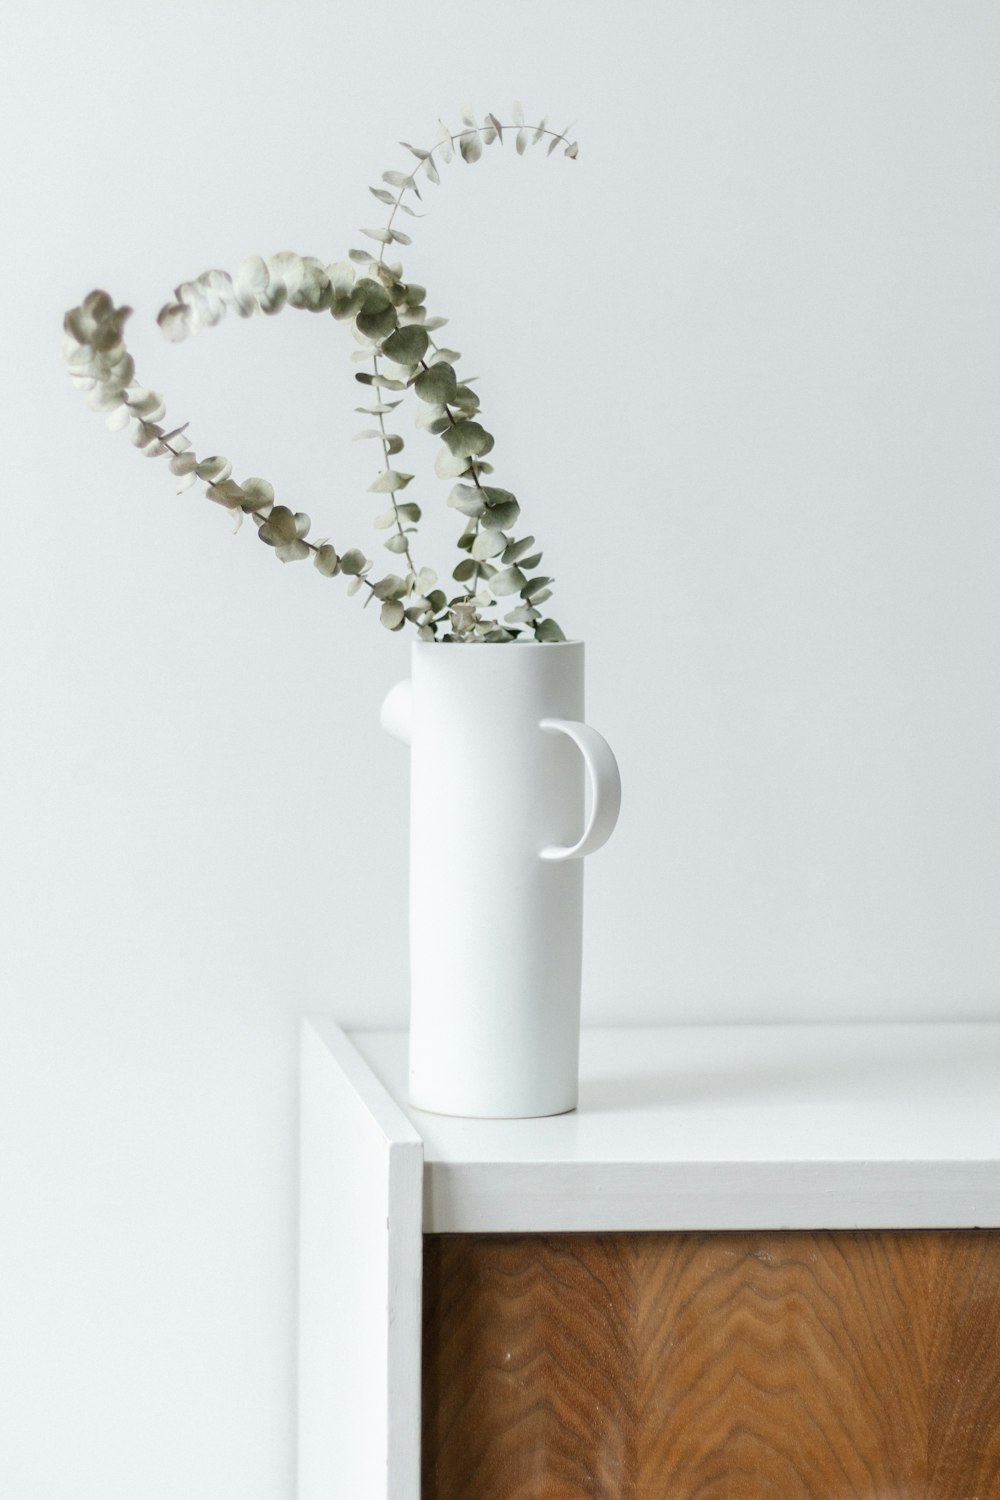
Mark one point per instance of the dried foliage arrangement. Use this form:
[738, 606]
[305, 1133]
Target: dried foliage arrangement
[389, 320]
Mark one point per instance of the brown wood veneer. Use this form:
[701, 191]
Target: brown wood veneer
[745, 1366]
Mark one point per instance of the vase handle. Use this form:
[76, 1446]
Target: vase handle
[605, 788]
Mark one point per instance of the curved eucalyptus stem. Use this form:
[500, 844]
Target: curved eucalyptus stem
[389, 320]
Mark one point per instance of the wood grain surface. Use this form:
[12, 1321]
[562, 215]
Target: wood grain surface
[751, 1366]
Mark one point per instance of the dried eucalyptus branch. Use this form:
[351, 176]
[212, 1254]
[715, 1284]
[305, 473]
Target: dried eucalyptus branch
[389, 320]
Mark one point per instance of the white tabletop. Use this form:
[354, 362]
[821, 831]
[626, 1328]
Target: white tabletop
[709, 1127]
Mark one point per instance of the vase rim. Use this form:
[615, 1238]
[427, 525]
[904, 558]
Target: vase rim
[548, 645]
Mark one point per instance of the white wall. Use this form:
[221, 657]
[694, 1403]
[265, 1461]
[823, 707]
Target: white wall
[742, 360]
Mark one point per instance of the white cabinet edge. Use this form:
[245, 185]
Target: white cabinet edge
[360, 1267]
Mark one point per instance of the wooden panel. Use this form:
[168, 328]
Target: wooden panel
[752, 1366]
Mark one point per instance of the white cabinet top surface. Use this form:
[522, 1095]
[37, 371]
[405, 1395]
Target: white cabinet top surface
[730, 1127]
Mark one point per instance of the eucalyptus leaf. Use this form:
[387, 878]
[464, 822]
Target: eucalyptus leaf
[354, 562]
[548, 630]
[508, 581]
[407, 346]
[326, 560]
[518, 549]
[392, 614]
[389, 587]
[436, 384]
[382, 195]
[397, 543]
[470, 146]
[466, 569]
[488, 544]
[444, 144]
[501, 517]
[468, 439]
[389, 481]
[467, 499]
[382, 236]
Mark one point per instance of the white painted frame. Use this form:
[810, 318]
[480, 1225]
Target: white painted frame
[360, 1268]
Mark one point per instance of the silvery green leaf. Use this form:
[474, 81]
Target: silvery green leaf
[377, 411]
[417, 151]
[439, 425]
[354, 585]
[341, 276]
[382, 195]
[521, 142]
[444, 144]
[214, 468]
[524, 614]
[433, 324]
[467, 439]
[186, 481]
[548, 630]
[388, 482]
[540, 130]
[393, 443]
[431, 170]
[518, 112]
[407, 346]
[465, 400]
[291, 551]
[465, 570]
[174, 322]
[361, 257]
[488, 134]
[398, 179]
[389, 587]
[527, 563]
[282, 527]
[383, 236]
[354, 562]
[572, 152]
[488, 544]
[385, 520]
[470, 146]
[392, 615]
[508, 581]
[119, 419]
[437, 384]
[501, 516]
[443, 356]
[447, 466]
[406, 209]
[376, 325]
[535, 587]
[518, 549]
[397, 543]
[326, 560]
[252, 275]
[410, 511]
[541, 596]
[467, 499]
[369, 432]
[258, 494]
[398, 237]
[426, 417]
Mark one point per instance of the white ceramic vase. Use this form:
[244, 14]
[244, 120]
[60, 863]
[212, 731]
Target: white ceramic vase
[501, 817]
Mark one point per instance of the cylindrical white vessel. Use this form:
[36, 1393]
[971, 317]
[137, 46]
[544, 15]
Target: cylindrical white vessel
[498, 825]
